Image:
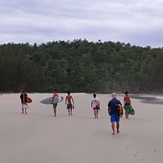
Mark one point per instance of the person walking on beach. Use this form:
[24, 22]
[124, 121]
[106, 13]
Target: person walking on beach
[95, 104]
[127, 102]
[23, 97]
[114, 113]
[70, 103]
[55, 95]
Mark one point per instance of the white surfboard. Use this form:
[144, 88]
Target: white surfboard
[49, 100]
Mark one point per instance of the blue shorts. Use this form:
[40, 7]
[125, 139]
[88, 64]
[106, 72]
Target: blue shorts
[55, 105]
[114, 118]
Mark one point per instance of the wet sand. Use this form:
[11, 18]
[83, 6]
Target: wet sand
[38, 137]
[150, 99]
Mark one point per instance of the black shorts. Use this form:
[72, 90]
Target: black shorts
[69, 106]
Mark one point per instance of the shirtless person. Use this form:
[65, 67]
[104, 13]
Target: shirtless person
[55, 95]
[127, 102]
[70, 103]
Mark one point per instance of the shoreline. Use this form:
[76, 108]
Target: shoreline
[151, 99]
[143, 98]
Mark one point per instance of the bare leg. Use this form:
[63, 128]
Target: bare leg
[126, 114]
[97, 113]
[113, 127]
[117, 126]
[54, 112]
[69, 111]
[25, 110]
[22, 110]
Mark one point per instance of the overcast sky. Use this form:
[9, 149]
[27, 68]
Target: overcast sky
[138, 22]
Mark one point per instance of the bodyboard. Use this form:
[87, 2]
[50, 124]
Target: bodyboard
[129, 109]
[29, 100]
[98, 107]
[49, 100]
[120, 110]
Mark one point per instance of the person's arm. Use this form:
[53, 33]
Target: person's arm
[65, 100]
[109, 110]
[129, 100]
[98, 103]
[91, 103]
[72, 101]
[124, 100]
[26, 98]
[53, 98]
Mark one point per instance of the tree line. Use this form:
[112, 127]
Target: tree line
[81, 66]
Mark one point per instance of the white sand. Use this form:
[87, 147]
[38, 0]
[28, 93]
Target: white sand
[41, 138]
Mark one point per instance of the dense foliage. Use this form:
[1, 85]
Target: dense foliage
[81, 66]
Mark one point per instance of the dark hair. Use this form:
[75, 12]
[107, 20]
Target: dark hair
[68, 92]
[126, 92]
[55, 90]
[94, 95]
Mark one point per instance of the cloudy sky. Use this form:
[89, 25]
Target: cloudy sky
[138, 22]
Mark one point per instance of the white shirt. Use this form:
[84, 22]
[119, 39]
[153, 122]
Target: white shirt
[94, 102]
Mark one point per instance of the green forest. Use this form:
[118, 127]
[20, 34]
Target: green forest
[81, 66]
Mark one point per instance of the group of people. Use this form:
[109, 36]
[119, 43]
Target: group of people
[113, 110]
[113, 107]
[69, 101]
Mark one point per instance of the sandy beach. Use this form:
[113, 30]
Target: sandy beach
[38, 137]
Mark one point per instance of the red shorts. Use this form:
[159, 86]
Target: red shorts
[94, 108]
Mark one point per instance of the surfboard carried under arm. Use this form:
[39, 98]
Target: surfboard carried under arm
[29, 100]
[49, 100]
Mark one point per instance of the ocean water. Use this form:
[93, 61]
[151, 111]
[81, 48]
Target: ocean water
[159, 97]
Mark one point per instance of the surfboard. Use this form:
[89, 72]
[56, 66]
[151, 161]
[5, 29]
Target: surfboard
[120, 109]
[29, 100]
[49, 100]
[129, 109]
[98, 106]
